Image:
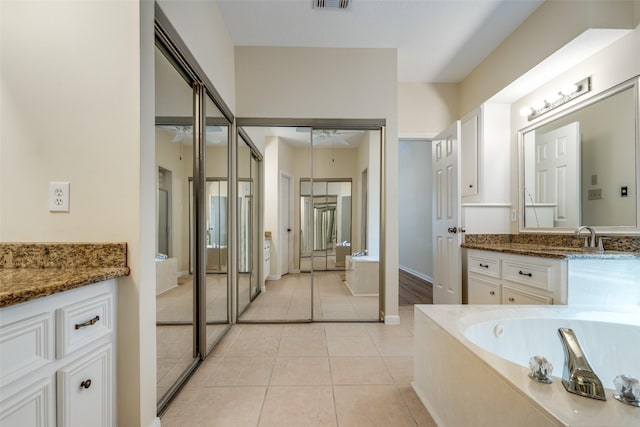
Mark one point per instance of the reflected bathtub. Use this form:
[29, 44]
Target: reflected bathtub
[471, 364]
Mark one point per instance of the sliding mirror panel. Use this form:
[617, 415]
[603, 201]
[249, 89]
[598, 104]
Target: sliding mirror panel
[175, 326]
[280, 292]
[342, 215]
[216, 292]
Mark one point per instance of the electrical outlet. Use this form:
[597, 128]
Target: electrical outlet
[58, 197]
[514, 215]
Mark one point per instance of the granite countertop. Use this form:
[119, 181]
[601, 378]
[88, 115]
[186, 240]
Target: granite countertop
[563, 246]
[550, 251]
[33, 270]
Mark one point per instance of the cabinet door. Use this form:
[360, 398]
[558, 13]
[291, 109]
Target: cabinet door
[470, 135]
[31, 407]
[517, 296]
[483, 291]
[85, 390]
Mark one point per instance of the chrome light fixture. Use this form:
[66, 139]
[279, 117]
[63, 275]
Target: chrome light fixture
[555, 99]
[330, 4]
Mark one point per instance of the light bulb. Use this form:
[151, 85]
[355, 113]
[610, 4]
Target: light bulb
[569, 89]
[552, 97]
[526, 111]
[539, 105]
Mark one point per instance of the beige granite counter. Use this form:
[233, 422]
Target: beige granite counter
[553, 246]
[33, 270]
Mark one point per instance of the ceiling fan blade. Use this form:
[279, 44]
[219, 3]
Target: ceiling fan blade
[179, 137]
[341, 140]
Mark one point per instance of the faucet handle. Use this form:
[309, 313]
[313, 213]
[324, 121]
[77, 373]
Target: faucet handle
[601, 242]
[628, 390]
[541, 369]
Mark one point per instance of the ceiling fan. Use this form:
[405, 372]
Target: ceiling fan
[182, 132]
[329, 135]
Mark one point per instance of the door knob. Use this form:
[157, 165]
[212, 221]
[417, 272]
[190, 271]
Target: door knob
[453, 230]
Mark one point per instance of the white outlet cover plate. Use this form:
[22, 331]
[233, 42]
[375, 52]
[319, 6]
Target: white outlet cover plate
[59, 197]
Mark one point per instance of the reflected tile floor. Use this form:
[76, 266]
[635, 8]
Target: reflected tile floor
[334, 374]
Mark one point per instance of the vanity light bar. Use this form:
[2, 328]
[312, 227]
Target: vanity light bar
[556, 99]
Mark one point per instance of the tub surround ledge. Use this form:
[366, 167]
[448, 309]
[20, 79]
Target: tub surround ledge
[554, 246]
[33, 270]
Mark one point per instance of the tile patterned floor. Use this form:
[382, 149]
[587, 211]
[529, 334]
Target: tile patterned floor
[334, 374]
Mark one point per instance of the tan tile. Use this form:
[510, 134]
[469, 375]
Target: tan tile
[345, 330]
[395, 346]
[417, 409]
[301, 371]
[380, 330]
[351, 346]
[371, 405]
[303, 329]
[259, 346]
[234, 371]
[291, 346]
[298, 406]
[260, 330]
[359, 370]
[401, 368]
[220, 406]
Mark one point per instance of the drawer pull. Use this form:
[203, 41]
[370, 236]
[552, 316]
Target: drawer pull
[492, 293]
[512, 299]
[524, 274]
[484, 265]
[85, 384]
[88, 323]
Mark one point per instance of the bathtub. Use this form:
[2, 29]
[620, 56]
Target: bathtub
[471, 364]
[362, 275]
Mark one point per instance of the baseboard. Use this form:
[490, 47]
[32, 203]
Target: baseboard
[416, 273]
[391, 319]
[274, 277]
[156, 423]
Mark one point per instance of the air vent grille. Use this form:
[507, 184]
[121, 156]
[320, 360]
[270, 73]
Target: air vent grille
[330, 4]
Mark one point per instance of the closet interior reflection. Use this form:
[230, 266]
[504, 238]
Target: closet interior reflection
[312, 220]
[192, 220]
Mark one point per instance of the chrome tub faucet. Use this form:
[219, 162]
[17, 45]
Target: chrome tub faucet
[578, 376]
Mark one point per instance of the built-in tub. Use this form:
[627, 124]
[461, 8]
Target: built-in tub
[471, 364]
[362, 275]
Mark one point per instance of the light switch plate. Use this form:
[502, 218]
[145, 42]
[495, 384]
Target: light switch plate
[59, 197]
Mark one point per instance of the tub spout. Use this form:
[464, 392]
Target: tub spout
[578, 376]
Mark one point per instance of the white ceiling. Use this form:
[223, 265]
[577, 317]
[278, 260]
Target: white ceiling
[437, 40]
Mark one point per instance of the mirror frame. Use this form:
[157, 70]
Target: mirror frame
[633, 83]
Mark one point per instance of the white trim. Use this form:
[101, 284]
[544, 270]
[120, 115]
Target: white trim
[156, 423]
[416, 273]
[486, 205]
[410, 136]
[391, 319]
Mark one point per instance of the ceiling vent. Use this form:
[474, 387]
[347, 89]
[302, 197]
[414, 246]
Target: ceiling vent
[330, 4]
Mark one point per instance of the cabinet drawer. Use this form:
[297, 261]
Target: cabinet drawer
[83, 322]
[530, 274]
[25, 345]
[486, 265]
[85, 391]
[517, 296]
[482, 291]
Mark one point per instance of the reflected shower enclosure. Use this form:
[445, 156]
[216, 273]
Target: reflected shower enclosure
[325, 220]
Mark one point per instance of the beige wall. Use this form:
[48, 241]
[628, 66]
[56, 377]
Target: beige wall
[550, 27]
[426, 108]
[78, 106]
[329, 83]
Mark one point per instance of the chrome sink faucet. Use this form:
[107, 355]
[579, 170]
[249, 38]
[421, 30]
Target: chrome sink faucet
[578, 376]
[589, 242]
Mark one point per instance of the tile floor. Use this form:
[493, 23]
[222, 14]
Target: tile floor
[316, 374]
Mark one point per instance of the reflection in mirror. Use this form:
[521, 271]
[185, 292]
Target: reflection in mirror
[248, 225]
[174, 284]
[580, 169]
[325, 224]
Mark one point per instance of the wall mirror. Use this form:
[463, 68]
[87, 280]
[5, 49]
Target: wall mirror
[580, 167]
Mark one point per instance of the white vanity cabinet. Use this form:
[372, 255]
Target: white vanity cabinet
[57, 359]
[503, 278]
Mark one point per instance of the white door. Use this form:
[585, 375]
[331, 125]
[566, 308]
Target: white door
[557, 173]
[447, 263]
[286, 236]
